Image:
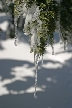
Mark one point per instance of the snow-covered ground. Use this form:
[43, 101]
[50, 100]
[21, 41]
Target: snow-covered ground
[17, 75]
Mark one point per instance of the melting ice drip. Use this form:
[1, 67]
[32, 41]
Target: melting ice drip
[52, 50]
[34, 41]
[15, 24]
[42, 59]
[36, 60]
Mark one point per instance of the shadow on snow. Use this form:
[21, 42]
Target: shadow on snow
[58, 86]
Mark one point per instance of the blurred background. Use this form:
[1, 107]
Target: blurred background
[17, 70]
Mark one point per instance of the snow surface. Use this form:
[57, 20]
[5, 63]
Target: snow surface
[17, 76]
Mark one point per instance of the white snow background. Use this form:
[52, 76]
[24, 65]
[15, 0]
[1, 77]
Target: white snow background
[17, 74]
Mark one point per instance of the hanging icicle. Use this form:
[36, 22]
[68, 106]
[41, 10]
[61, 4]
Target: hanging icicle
[52, 50]
[36, 58]
[42, 59]
[15, 24]
[18, 11]
[64, 45]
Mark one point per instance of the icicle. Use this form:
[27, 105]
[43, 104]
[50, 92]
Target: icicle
[52, 50]
[15, 24]
[64, 45]
[36, 56]
[61, 40]
[34, 39]
[42, 59]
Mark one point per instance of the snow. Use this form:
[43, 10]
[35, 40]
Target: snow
[17, 74]
[4, 25]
